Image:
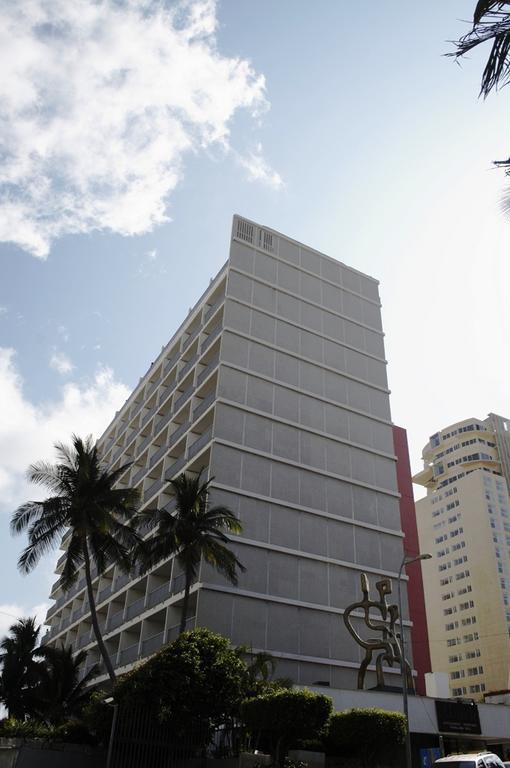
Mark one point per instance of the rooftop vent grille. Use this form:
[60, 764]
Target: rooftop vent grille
[245, 230]
[266, 241]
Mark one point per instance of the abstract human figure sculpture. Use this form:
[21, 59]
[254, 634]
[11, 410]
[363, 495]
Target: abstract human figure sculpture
[388, 643]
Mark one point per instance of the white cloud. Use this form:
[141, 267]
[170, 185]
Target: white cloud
[10, 612]
[259, 169]
[28, 432]
[100, 103]
[3, 311]
[61, 363]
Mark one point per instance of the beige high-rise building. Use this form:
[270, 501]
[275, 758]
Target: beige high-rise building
[464, 523]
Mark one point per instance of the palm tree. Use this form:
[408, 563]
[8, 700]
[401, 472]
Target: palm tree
[61, 692]
[20, 669]
[85, 501]
[491, 22]
[192, 531]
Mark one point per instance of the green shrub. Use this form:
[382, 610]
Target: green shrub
[23, 729]
[72, 732]
[195, 683]
[281, 717]
[97, 716]
[371, 736]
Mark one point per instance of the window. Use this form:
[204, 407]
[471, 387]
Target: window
[457, 674]
[475, 671]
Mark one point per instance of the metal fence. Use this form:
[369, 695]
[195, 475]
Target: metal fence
[139, 740]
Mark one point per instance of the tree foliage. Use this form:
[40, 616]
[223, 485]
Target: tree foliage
[192, 531]
[283, 716]
[21, 667]
[374, 737]
[85, 501]
[197, 682]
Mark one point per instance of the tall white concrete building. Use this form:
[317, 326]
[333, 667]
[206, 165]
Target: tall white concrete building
[464, 522]
[276, 384]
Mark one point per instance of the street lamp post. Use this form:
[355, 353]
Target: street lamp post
[403, 671]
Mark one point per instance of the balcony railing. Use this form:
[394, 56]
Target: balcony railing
[162, 422]
[175, 468]
[203, 406]
[83, 640]
[135, 608]
[178, 433]
[198, 444]
[173, 633]
[212, 335]
[115, 620]
[168, 367]
[138, 476]
[191, 338]
[150, 413]
[207, 370]
[178, 583]
[121, 581]
[153, 489]
[157, 455]
[104, 593]
[145, 442]
[153, 644]
[128, 655]
[187, 368]
[158, 595]
[210, 312]
[152, 388]
[182, 399]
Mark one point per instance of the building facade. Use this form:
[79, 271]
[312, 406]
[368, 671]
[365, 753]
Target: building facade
[416, 595]
[276, 385]
[464, 523]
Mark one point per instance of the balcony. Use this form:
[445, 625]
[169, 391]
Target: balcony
[191, 338]
[83, 640]
[158, 595]
[128, 655]
[212, 309]
[145, 442]
[203, 406]
[178, 583]
[121, 581]
[157, 455]
[162, 422]
[178, 433]
[202, 376]
[187, 368]
[115, 620]
[150, 413]
[198, 444]
[152, 490]
[135, 608]
[212, 335]
[138, 476]
[168, 367]
[104, 593]
[173, 633]
[175, 468]
[153, 644]
[138, 408]
[182, 399]
[152, 388]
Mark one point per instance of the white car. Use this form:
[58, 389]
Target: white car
[470, 760]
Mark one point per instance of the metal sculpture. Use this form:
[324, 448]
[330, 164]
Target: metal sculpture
[388, 643]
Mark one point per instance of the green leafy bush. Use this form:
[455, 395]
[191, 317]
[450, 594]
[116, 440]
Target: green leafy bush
[23, 729]
[72, 732]
[197, 682]
[281, 717]
[371, 736]
[97, 716]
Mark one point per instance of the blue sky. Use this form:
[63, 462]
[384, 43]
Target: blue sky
[340, 124]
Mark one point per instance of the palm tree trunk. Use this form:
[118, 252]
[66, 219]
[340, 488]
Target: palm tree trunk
[93, 615]
[185, 602]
